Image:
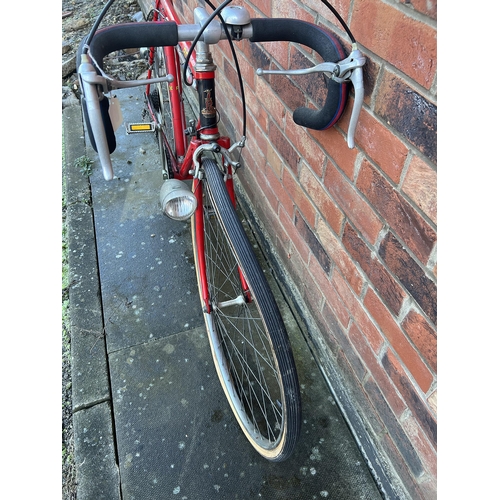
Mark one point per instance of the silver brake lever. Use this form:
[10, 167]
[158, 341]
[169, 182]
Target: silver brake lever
[349, 68]
[87, 74]
[356, 77]
[326, 67]
[109, 83]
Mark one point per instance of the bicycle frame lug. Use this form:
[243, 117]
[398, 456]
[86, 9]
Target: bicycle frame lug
[209, 137]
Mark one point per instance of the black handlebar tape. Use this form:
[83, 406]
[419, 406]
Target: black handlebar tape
[132, 35]
[328, 47]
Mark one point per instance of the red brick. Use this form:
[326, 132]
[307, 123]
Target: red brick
[321, 277]
[423, 337]
[334, 307]
[385, 284]
[309, 279]
[397, 212]
[427, 7]
[421, 444]
[287, 91]
[291, 10]
[381, 145]
[418, 407]
[248, 178]
[271, 189]
[283, 197]
[335, 145]
[348, 297]
[256, 138]
[377, 371]
[300, 199]
[263, 5]
[347, 358]
[278, 235]
[312, 294]
[338, 254]
[313, 243]
[393, 429]
[408, 44]
[307, 147]
[342, 7]
[269, 101]
[284, 147]
[349, 200]
[247, 71]
[313, 86]
[401, 467]
[256, 56]
[409, 356]
[420, 185]
[410, 274]
[408, 112]
[273, 159]
[367, 327]
[255, 110]
[279, 51]
[428, 487]
[432, 401]
[292, 234]
[357, 311]
[322, 199]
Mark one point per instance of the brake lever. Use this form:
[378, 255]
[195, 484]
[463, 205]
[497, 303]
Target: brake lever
[87, 74]
[349, 68]
[109, 83]
[354, 72]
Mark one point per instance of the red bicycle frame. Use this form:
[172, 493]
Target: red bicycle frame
[182, 158]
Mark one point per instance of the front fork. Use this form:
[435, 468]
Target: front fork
[199, 222]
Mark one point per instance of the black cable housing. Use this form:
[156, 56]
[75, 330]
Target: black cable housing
[97, 23]
[339, 17]
[237, 64]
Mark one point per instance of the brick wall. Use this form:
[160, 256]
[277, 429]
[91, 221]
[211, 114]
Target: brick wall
[355, 229]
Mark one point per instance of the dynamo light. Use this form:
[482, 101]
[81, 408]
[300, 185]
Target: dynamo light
[176, 200]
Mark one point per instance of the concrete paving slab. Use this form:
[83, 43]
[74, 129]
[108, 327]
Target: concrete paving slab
[175, 434]
[89, 365]
[148, 256]
[97, 472]
[89, 361]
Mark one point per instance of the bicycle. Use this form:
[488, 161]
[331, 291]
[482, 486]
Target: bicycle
[249, 343]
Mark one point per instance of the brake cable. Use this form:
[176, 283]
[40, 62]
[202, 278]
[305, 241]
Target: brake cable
[237, 64]
[339, 17]
[96, 25]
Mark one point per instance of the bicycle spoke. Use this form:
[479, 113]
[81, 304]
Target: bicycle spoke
[244, 334]
[249, 376]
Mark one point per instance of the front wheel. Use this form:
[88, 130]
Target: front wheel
[249, 343]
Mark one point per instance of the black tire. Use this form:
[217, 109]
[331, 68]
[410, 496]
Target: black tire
[248, 339]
